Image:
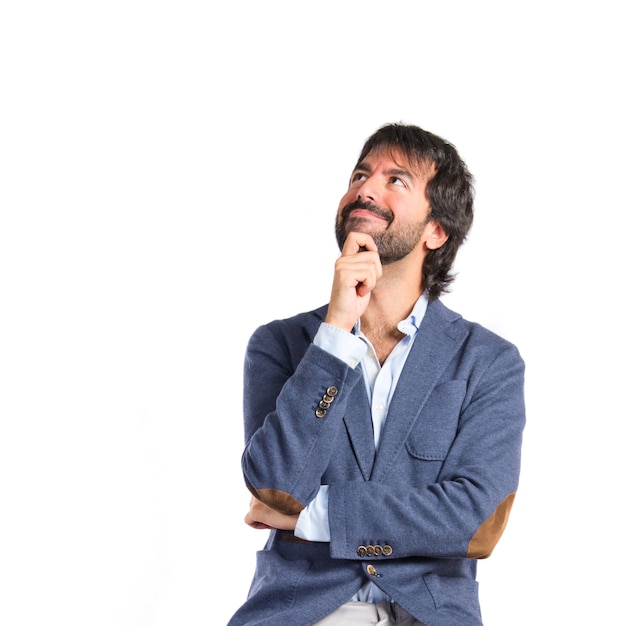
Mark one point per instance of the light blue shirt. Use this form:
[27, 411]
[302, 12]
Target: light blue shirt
[380, 382]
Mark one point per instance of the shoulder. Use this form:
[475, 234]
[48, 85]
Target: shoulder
[290, 336]
[474, 335]
[307, 322]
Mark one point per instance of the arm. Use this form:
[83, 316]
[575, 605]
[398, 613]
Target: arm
[288, 440]
[292, 407]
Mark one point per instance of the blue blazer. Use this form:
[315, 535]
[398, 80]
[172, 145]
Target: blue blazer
[413, 516]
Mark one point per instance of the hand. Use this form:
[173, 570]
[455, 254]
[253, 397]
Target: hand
[356, 272]
[263, 517]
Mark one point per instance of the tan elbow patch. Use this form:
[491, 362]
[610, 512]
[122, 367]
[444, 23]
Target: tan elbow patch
[280, 501]
[487, 536]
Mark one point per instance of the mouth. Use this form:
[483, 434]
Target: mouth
[363, 214]
[360, 210]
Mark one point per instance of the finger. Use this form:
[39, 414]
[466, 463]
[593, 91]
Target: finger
[356, 242]
[259, 526]
[251, 520]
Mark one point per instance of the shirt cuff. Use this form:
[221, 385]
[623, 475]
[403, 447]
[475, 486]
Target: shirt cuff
[313, 523]
[340, 343]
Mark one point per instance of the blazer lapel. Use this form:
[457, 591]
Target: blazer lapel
[358, 421]
[433, 348]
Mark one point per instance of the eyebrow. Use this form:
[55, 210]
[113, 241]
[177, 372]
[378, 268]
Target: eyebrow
[398, 171]
[393, 171]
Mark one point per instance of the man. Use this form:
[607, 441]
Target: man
[383, 431]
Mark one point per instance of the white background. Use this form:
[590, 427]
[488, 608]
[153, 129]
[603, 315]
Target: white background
[169, 177]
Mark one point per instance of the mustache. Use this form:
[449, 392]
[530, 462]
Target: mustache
[367, 206]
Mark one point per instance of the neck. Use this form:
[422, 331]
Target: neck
[391, 301]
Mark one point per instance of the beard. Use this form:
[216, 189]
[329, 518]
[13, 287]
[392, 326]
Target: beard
[393, 244]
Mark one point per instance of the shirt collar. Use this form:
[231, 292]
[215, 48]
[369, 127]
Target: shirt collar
[410, 325]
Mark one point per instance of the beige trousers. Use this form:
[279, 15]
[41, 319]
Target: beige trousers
[369, 614]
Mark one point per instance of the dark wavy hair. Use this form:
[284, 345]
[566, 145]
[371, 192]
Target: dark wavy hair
[450, 192]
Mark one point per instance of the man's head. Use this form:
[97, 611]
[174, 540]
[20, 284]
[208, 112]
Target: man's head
[409, 188]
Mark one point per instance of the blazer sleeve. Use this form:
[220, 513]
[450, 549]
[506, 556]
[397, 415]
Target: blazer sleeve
[295, 395]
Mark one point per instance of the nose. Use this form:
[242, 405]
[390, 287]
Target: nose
[368, 190]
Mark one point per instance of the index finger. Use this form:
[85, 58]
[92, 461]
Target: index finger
[357, 242]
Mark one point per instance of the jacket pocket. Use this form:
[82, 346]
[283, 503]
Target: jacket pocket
[435, 427]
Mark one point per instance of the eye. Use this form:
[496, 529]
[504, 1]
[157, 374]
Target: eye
[395, 180]
[357, 177]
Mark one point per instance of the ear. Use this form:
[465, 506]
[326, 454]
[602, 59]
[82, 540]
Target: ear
[437, 236]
